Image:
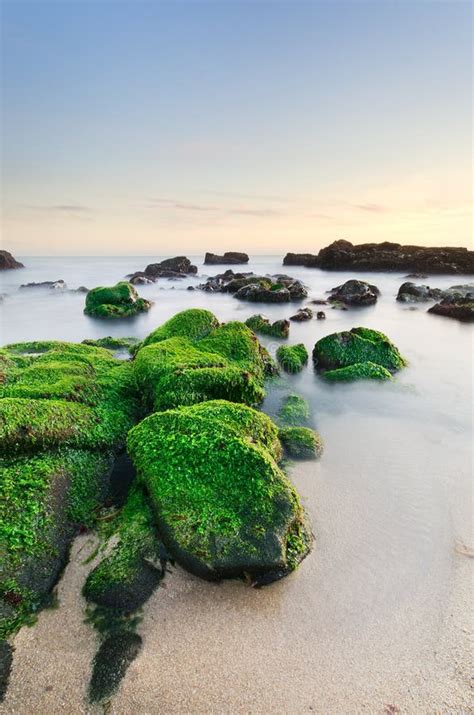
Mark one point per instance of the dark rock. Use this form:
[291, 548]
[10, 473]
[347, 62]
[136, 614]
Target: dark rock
[6, 657]
[319, 302]
[302, 315]
[256, 293]
[190, 288]
[343, 256]
[354, 292]
[229, 257]
[300, 259]
[457, 306]
[261, 324]
[321, 315]
[111, 662]
[7, 261]
[54, 285]
[411, 293]
[141, 278]
[171, 268]
[82, 289]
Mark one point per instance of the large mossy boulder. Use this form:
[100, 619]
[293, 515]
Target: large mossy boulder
[222, 505]
[65, 411]
[190, 360]
[118, 301]
[362, 352]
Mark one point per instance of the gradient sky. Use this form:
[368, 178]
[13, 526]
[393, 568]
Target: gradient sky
[167, 127]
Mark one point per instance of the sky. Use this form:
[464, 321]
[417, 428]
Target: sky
[150, 127]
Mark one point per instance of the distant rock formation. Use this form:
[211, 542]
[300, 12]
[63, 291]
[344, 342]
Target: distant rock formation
[53, 285]
[7, 261]
[229, 258]
[343, 255]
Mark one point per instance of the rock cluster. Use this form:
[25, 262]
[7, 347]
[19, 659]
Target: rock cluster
[173, 268]
[256, 289]
[344, 256]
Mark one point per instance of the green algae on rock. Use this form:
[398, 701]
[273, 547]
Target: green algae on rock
[292, 358]
[222, 505]
[358, 371]
[227, 363]
[193, 324]
[354, 348]
[65, 410]
[301, 442]
[118, 301]
[110, 664]
[294, 410]
[126, 577]
[261, 324]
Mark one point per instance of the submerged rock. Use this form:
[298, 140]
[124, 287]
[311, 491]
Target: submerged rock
[119, 301]
[261, 324]
[300, 259]
[357, 293]
[7, 262]
[302, 315]
[301, 442]
[412, 293]
[354, 349]
[292, 358]
[222, 506]
[457, 306]
[294, 410]
[54, 285]
[229, 257]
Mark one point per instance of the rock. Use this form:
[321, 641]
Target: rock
[119, 301]
[7, 261]
[355, 349]
[411, 293]
[344, 256]
[222, 505]
[301, 442]
[140, 278]
[319, 302]
[170, 268]
[302, 315]
[355, 293]
[294, 410]
[292, 358]
[6, 659]
[300, 259]
[264, 289]
[421, 276]
[190, 288]
[188, 360]
[53, 285]
[321, 315]
[457, 306]
[261, 324]
[82, 289]
[229, 257]
[256, 293]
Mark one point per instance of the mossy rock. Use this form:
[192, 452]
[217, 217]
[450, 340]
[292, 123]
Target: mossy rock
[261, 324]
[118, 301]
[222, 506]
[193, 324]
[228, 363]
[45, 498]
[359, 345]
[292, 358]
[294, 410]
[114, 344]
[359, 371]
[126, 577]
[301, 442]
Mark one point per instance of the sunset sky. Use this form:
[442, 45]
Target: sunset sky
[168, 127]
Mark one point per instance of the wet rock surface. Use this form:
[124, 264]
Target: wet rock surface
[174, 268]
[456, 306]
[355, 293]
[302, 315]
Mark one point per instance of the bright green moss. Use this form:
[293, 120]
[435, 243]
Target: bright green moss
[261, 324]
[294, 410]
[113, 344]
[192, 324]
[292, 358]
[119, 301]
[221, 503]
[123, 579]
[301, 442]
[43, 497]
[359, 345]
[359, 371]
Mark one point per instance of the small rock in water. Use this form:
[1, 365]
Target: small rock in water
[321, 315]
[54, 285]
[302, 315]
[355, 293]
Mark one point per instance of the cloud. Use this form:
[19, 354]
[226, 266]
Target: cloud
[230, 211]
[59, 208]
[372, 208]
